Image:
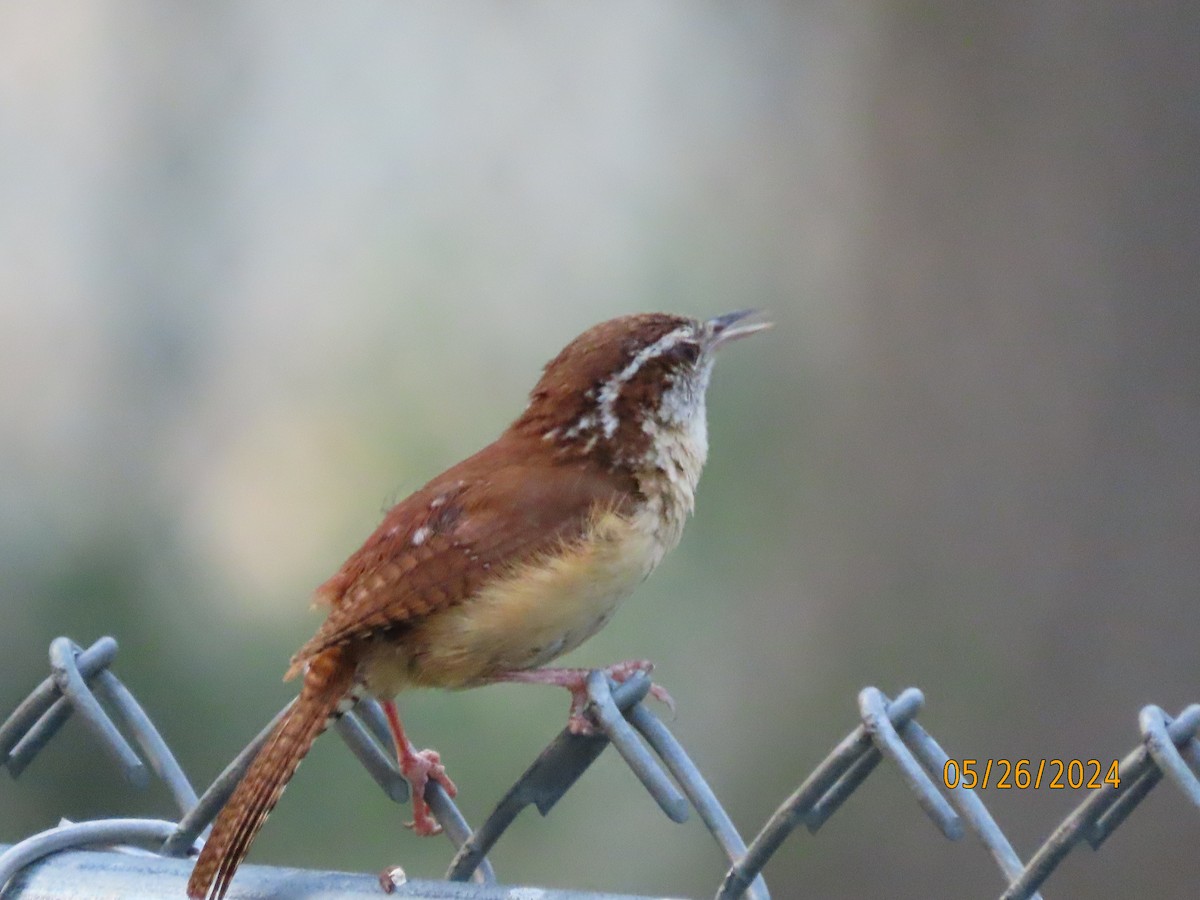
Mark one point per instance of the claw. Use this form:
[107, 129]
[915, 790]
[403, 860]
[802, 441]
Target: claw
[623, 671]
[659, 693]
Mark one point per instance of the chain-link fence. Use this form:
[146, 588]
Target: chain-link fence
[81, 683]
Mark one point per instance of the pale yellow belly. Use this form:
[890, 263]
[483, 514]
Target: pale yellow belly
[529, 616]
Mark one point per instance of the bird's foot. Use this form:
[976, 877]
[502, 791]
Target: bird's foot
[578, 721]
[419, 767]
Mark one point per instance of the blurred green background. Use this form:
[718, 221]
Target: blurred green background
[265, 268]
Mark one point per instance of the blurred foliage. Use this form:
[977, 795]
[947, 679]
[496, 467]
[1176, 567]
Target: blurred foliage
[263, 273]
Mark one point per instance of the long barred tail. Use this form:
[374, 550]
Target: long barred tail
[329, 678]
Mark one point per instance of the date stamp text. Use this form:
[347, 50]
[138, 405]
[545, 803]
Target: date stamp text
[1030, 774]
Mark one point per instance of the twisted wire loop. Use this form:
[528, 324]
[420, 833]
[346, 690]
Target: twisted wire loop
[82, 684]
[889, 728]
[620, 717]
[1169, 747]
[838, 775]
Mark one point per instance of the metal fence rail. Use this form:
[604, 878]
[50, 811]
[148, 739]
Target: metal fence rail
[82, 684]
[151, 877]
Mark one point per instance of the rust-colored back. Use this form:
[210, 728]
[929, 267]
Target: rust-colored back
[433, 550]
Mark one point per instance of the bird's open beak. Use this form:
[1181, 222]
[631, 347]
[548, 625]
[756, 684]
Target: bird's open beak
[724, 329]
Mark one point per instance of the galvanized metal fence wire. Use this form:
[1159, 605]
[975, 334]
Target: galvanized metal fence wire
[82, 684]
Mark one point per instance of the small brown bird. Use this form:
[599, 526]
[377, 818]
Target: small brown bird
[509, 559]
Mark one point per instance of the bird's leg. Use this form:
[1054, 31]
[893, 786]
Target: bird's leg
[417, 767]
[575, 681]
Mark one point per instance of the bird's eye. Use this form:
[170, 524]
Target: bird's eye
[686, 352]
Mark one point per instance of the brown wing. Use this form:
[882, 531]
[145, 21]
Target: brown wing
[437, 547]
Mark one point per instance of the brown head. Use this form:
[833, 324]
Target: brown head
[622, 385]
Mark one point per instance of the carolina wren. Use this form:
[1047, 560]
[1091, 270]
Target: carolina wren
[507, 560]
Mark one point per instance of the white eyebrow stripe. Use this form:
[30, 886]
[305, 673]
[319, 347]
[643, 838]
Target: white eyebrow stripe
[612, 388]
